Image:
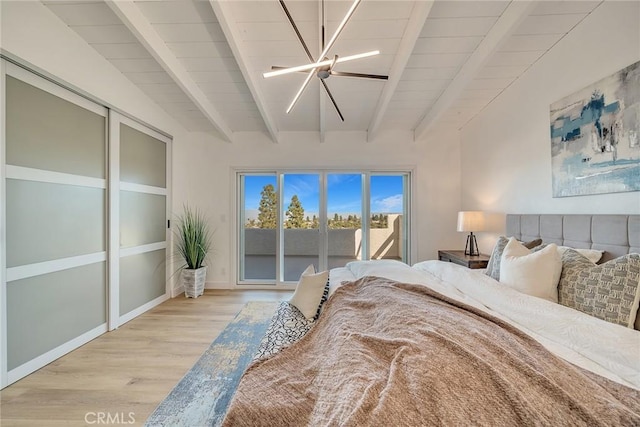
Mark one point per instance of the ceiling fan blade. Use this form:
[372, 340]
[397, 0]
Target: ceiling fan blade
[322, 22]
[295, 28]
[302, 88]
[365, 76]
[340, 28]
[333, 64]
[332, 100]
[319, 64]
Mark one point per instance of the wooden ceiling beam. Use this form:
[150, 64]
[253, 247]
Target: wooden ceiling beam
[419, 14]
[322, 94]
[234, 39]
[504, 27]
[137, 23]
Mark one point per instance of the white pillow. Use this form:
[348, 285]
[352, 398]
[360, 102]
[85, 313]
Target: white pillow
[532, 273]
[592, 255]
[309, 270]
[309, 292]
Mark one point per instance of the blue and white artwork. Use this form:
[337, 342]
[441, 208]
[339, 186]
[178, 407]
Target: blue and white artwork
[595, 137]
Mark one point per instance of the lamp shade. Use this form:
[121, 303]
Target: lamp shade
[471, 221]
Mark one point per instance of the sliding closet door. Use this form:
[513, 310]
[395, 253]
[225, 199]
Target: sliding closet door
[142, 217]
[55, 213]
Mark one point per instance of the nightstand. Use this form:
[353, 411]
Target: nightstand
[458, 257]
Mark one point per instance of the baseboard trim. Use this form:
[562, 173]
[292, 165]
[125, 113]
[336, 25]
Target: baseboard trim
[138, 311]
[217, 285]
[178, 290]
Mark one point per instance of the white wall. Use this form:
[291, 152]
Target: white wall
[203, 172]
[506, 154]
[40, 40]
[31, 32]
[203, 164]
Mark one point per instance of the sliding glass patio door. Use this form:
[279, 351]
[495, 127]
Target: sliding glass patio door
[300, 223]
[388, 207]
[288, 220]
[345, 214]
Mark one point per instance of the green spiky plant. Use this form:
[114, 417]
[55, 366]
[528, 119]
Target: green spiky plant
[193, 238]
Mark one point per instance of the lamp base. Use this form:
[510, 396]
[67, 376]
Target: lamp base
[471, 248]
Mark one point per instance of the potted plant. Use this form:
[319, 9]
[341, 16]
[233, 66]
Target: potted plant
[193, 242]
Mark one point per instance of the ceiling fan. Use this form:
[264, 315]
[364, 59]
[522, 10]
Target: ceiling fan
[323, 67]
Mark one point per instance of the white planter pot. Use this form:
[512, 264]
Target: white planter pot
[193, 282]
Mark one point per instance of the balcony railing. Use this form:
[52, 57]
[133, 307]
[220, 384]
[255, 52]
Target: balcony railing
[301, 248]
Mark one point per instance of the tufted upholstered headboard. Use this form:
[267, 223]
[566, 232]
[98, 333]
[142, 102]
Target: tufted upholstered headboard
[617, 235]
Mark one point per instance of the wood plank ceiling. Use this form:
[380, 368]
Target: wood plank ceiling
[202, 61]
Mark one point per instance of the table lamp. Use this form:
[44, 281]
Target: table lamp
[471, 221]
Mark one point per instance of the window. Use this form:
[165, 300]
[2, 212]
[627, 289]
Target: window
[288, 220]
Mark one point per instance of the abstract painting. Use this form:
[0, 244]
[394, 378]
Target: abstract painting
[595, 137]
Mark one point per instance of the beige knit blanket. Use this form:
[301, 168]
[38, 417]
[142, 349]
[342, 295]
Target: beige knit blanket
[390, 354]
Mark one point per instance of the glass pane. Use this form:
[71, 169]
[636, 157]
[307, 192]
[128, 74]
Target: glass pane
[259, 216]
[386, 235]
[344, 218]
[50, 221]
[142, 279]
[143, 158]
[300, 205]
[143, 218]
[47, 132]
[46, 311]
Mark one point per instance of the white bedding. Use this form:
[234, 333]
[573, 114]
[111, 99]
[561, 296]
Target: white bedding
[610, 350]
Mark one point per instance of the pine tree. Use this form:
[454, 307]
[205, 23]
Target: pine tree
[268, 207]
[295, 214]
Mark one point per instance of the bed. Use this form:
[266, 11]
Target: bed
[438, 344]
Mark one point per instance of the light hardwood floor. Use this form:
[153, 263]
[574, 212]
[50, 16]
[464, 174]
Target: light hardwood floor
[128, 372]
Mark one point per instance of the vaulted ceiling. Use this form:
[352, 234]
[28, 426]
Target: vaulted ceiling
[203, 61]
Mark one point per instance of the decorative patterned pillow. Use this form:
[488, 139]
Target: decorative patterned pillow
[493, 266]
[287, 326]
[325, 296]
[592, 255]
[609, 291]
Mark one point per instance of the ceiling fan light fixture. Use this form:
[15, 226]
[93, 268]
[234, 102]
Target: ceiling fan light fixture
[320, 64]
[299, 94]
[340, 27]
[322, 68]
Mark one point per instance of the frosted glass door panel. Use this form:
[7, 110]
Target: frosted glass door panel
[49, 310]
[143, 159]
[49, 221]
[143, 218]
[50, 133]
[142, 279]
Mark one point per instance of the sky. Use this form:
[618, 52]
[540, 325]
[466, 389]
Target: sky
[344, 192]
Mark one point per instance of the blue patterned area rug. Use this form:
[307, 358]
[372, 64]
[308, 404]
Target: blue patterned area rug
[203, 394]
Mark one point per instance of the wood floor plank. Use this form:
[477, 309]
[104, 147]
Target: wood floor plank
[130, 370]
